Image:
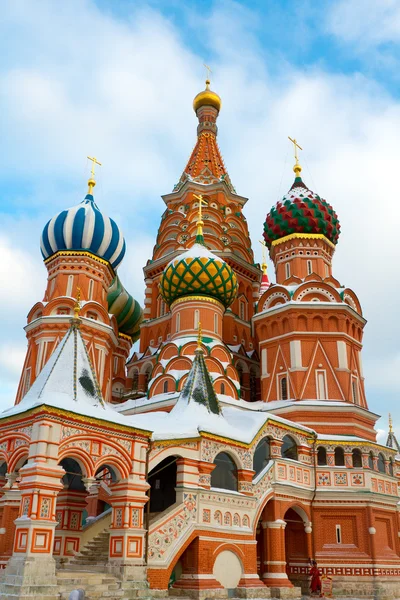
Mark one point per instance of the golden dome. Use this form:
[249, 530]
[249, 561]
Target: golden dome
[207, 98]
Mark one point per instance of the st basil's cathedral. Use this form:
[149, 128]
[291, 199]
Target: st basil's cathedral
[234, 447]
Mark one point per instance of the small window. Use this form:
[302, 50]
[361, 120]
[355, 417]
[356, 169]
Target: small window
[357, 458]
[321, 456]
[224, 475]
[354, 389]
[135, 381]
[262, 455]
[27, 382]
[338, 534]
[115, 364]
[287, 270]
[339, 457]
[321, 385]
[391, 470]
[371, 460]
[63, 311]
[178, 322]
[222, 388]
[196, 319]
[165, 387]
[309, 267]
[283, 388]
[70, 285]
[242, 310]
[381, 463]
[289, 448]
[90, 291]
[215, 323]
[326, 271]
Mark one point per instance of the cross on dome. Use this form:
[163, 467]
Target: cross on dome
[297, 167]
[92, 181]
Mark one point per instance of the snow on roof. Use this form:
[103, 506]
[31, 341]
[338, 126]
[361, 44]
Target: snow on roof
[68, 381]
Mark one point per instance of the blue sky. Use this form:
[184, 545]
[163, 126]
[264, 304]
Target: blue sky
[117, 78]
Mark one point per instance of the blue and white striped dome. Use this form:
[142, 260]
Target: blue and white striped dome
[84, 228]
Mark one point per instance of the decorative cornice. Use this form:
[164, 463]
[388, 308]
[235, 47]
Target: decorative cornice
[79, 253]
[84, 419]
[304, 236]
[196, 299]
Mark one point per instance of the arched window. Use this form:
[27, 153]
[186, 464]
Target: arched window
[90, 290]
[391, 470]
[215, 323]
[289, 448]
[165, 386]
[178, 322]
[222, 388]
[283, 388]
[321, 456]
[262, 455]
[224, 475]
[147, 378]
[381, 463]
[339, 457]
[70, 284]
[371, 460]
[357, 458]
[162, 480]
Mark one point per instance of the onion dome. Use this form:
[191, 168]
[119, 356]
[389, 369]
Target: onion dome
[198, 271]
[207, 98]
[125, 308]
[83, 228]
[301, 211]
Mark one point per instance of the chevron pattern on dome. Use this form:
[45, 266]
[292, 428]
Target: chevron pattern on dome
[84, 228]
[125, 308]
[301, 211]
[202, 274]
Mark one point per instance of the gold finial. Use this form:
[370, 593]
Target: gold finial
[390, 424]
[200, 221]
[297, 167]
[77, 306]
[92, 181]
[264, 256]
[208, 76]
[199, 337]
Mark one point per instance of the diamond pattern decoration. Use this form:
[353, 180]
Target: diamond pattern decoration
[200, 275]
[301, 211]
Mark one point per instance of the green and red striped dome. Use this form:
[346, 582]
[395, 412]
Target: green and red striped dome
[301, 211]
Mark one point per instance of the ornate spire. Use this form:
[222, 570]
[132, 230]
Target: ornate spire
[205, 164]
[265, 282]
[391, 439]
[297, 168]
[92, 181]
[198, 390]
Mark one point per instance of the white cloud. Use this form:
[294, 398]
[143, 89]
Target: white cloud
[367, 22]
[82, 81]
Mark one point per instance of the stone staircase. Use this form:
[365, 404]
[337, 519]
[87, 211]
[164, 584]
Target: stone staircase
[93, 556]
[100, 586]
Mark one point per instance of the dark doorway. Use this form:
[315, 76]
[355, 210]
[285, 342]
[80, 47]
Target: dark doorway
[162, 480]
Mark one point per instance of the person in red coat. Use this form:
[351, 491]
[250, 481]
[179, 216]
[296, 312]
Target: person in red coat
[315, 584]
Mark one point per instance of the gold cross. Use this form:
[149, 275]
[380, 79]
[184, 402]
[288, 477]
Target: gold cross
[297, 167]
[390, 424]
[92, 182]
[208, 71]
[94, 163]
[200, 222]
[264, 256]
[77, 306]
